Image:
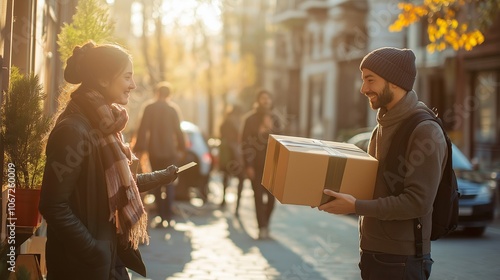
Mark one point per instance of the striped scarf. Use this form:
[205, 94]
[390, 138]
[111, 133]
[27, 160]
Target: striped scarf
[125, 204]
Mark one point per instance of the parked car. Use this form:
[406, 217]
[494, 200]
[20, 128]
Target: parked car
[477, 193]
[197, 177]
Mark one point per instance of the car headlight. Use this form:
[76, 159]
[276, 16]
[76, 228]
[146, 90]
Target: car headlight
[492, 184]
[484, 193]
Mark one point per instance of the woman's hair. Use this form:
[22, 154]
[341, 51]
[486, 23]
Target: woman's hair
[91, 63]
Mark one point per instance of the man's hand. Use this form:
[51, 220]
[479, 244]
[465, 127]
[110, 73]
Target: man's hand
[342, 204]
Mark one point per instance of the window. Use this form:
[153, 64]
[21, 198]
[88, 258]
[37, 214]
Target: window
[486, 101]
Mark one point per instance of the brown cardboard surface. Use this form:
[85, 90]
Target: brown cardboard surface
[298, 169]
[37, 246]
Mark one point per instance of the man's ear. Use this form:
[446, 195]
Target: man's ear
[395, 88]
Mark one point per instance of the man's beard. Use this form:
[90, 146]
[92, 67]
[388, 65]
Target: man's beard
[383, 98]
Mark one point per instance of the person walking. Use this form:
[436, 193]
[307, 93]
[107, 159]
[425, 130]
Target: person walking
[258, 124]
[387, 240]
[230, 160]
[160, 135]
[90, 196]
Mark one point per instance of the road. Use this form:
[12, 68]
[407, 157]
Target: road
[209, 242]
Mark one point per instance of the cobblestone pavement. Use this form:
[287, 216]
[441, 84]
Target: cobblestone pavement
[209, 242]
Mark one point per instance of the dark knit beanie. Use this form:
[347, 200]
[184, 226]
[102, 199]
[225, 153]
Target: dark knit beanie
[396, 66]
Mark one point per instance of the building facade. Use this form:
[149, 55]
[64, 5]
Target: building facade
[29, 42]
[477, 103]
[320, 43]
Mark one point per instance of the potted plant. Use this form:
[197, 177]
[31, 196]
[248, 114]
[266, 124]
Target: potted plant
[24, 128]
[4, 264]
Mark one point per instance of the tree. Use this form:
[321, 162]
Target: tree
[155, 61]
[90, 22]
[459, 24]
[253, 36]
[180, 43]
[24, 128]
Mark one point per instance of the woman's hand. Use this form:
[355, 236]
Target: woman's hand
[151, 180]
[342, 203]
[168, 175]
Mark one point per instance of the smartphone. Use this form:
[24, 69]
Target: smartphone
[186, 166]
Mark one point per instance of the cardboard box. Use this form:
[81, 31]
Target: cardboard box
[297, 170]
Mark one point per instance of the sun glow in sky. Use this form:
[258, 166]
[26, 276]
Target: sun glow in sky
[181, 13]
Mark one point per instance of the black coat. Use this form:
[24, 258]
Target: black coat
[254, 144]
[81, 241]
[160, 132]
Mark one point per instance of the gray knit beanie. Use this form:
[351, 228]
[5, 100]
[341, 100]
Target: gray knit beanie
[396, 66]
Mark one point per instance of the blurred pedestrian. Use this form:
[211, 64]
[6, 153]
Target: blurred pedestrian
[388, 232]
[258, 124]
[90, 196]
[160, 136]
[230, 159]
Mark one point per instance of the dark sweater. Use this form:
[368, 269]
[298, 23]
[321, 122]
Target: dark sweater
[386, 222]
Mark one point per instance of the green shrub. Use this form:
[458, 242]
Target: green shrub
[24, 128]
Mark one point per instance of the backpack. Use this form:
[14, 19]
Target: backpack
[445, 206]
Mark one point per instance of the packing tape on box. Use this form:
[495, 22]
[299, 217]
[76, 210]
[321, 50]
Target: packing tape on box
[275, 168]
[335, 169]
[334, 172]
[318, 143]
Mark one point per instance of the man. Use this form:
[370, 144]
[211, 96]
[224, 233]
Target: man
[258, 124]
[387, 241]
[230, 159]
[161, 136]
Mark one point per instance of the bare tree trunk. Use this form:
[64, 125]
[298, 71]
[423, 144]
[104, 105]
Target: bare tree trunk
[145, 44]
[252, 37]
[162, 70]
[227, 38]
[210, 93]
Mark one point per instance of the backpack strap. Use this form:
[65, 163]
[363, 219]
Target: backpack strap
[398, 148]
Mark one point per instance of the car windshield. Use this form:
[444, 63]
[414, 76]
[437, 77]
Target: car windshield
[196, 139]
[460, 161]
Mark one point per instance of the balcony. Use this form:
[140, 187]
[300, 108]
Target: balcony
[288, 13]
[290, 17]
[314, 6]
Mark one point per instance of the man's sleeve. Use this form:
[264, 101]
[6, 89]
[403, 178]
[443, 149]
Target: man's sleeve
[178, 131]
[143, 132]
[425, 157]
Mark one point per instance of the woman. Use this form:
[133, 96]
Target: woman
[258, 124]
[90, 198]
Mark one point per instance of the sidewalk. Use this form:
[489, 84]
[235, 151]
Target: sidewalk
[208, 242]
